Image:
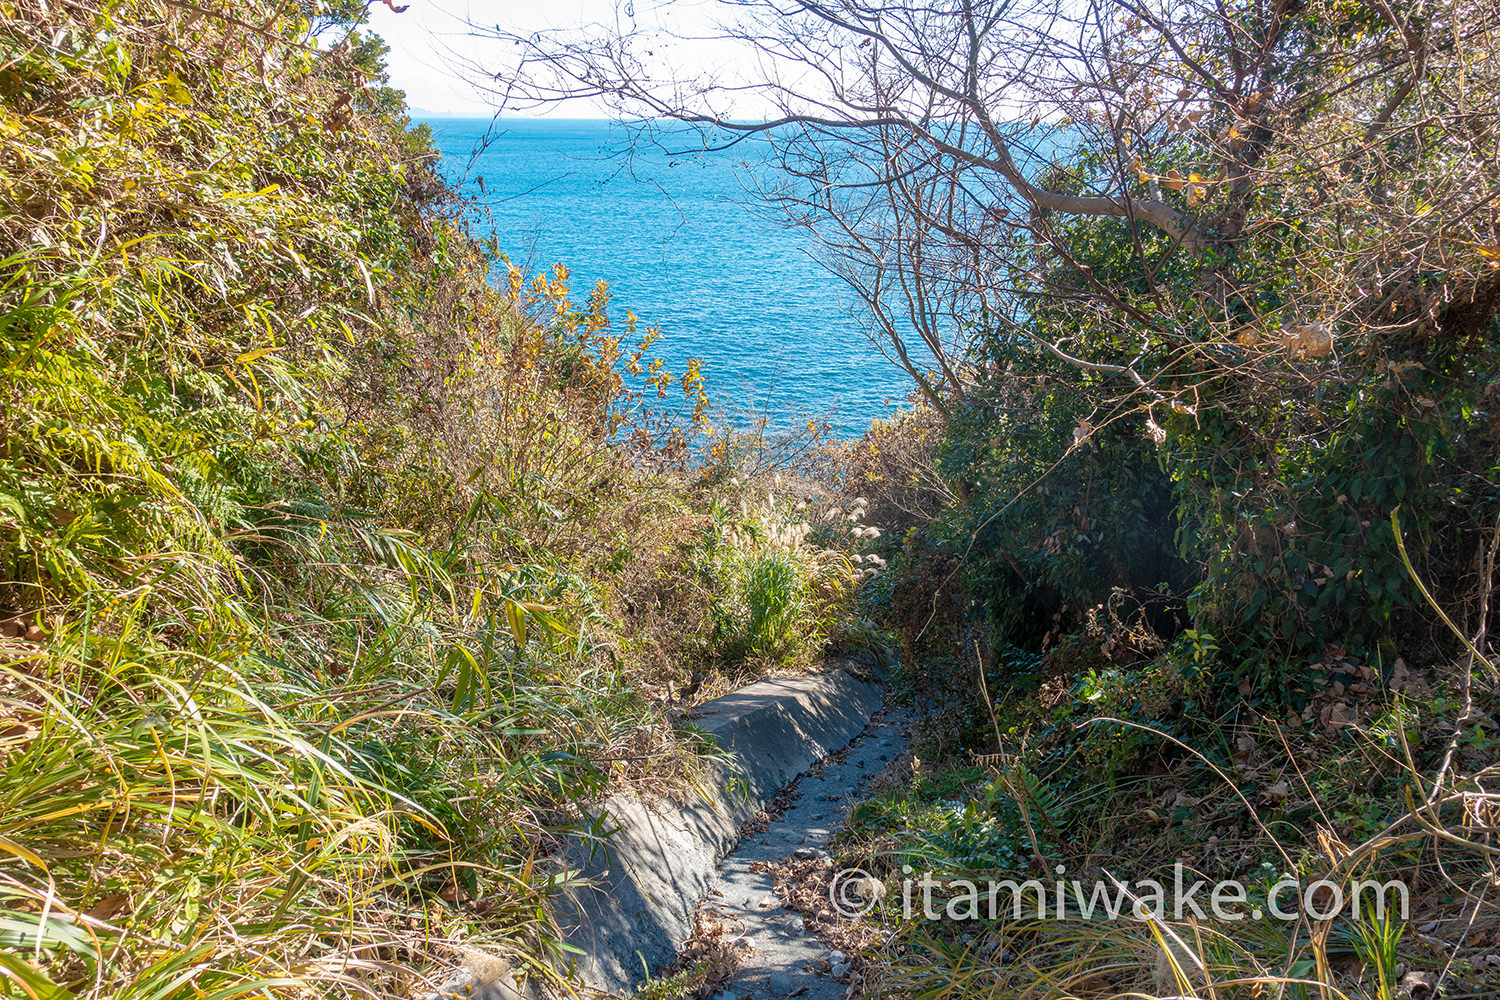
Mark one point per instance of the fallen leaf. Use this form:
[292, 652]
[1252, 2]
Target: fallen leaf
[108, 907]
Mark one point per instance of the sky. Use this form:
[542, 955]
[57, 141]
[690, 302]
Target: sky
[435, 57]
[430, 42]
[427, 40]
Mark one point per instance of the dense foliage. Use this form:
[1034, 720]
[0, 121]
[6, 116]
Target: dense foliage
[333, 577]
[1224, 510]
[1230, 423]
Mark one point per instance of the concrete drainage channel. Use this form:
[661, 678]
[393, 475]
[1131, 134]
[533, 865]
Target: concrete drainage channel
[784, 959]
[664, 861]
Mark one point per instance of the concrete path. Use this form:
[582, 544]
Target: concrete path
[641, 896]
[784, 959]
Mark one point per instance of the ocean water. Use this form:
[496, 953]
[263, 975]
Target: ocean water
[685, 246]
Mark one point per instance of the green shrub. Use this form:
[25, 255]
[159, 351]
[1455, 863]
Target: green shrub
[780, 593]
[1289, 506]
[774, 596]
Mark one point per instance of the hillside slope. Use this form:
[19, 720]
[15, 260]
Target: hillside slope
[331, 576]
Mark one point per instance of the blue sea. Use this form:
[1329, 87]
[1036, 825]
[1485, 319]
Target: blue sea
[685, 245]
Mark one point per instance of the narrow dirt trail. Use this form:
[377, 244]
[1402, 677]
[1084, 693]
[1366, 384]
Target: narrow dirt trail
[784, 958]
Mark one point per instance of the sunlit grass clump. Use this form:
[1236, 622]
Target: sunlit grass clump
[786, 573]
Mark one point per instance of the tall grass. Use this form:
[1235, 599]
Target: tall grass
[785, 586]
[306, 633]
[287, 815]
